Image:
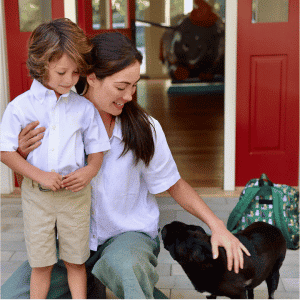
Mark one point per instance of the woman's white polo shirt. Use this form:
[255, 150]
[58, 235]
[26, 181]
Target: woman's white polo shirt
[123, 193]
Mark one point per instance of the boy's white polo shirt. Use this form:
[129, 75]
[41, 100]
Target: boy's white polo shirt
[123, 193]
[73, 128]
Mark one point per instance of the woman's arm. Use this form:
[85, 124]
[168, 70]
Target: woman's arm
[29, 139]
[188, 198]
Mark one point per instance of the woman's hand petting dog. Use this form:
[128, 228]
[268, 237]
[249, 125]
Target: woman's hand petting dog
[233, 247]
[188, 198]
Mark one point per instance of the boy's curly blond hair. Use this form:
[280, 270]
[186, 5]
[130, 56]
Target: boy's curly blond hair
[49, 41]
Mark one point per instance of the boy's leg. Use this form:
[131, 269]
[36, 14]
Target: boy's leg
[40, 282]
[77, 279]
[127, 265]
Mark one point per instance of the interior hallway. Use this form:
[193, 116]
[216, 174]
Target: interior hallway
[194, 128]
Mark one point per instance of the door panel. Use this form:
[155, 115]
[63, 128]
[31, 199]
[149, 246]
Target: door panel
[264, 138]
[17, 35]
[267, 132]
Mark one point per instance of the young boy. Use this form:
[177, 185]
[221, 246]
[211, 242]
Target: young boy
[58, 54]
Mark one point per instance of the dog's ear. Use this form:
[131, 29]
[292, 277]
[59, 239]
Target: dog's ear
[195, 228]
[202, 253]
[198, 247]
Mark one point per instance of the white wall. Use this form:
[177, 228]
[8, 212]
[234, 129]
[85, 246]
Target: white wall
[70, 10]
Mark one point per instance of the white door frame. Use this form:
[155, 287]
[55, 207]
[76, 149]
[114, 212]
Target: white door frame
[230, 94]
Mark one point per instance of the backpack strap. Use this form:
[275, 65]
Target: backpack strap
[278, 215]
[264, 180]
[241, 206]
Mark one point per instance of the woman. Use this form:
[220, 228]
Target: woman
[124, 219]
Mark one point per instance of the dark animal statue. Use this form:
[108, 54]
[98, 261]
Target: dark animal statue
[190, 246]
[195, 47]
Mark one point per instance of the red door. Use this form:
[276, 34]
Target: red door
[21, 17]
[267, 107]
[96, 17]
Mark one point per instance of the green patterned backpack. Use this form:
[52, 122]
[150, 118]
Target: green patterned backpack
[276, 204]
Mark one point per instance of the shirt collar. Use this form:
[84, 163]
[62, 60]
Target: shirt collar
[40, 91]
[118, 129]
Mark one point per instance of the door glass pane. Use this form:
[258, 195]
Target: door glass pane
[266, 11]
[32, 13]
[101, 10]
[119, 13]
[141, 6]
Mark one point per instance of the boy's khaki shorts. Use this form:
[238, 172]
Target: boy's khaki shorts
[43, 212]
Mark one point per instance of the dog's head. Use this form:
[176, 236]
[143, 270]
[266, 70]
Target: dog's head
[187, 243]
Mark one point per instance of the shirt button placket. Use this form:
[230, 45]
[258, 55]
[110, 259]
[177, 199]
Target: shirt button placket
[54, 138]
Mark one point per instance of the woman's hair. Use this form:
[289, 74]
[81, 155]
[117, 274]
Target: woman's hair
[49, 41]
[113, 52]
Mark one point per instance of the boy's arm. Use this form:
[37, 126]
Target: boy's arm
[18, 164]
[94, 162]
[80, 178]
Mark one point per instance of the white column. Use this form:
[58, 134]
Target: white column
[156, 12]
[7, 182]
[230, 94]
[70, 10]
[188, 6]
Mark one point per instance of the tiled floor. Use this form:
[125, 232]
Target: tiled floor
[173, 281]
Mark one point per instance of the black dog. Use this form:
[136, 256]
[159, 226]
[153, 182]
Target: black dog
[191, 247]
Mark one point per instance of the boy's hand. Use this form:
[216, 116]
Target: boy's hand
[51, 180]
[78, 179]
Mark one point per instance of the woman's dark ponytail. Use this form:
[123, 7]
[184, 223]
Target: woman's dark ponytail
[137, 133]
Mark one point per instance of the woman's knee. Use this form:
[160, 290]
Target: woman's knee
[137, 266]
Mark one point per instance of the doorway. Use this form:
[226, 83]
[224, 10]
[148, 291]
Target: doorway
[193, 124]
[194, 128]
